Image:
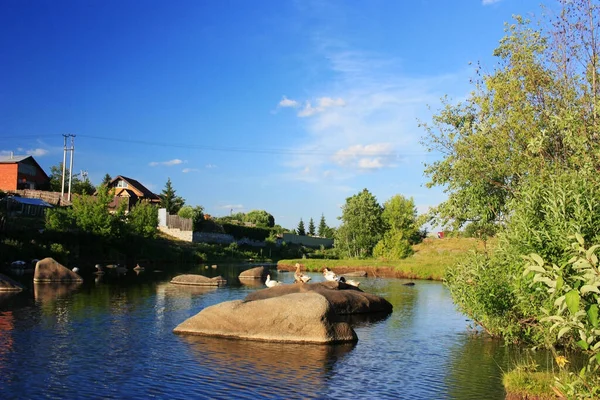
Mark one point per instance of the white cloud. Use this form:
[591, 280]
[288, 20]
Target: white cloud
[285, 102]
[488, 2]
[365, 157]
[188, 170]
[323, 103]
[210, 166]
[39, 152]
[169, 163]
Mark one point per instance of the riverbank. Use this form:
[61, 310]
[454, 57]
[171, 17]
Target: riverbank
[429, 262]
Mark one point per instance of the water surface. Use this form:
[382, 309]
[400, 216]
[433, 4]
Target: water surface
[112, 338]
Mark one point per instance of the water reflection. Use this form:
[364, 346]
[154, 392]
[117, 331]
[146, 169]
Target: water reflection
[51, 291]
[287, 370]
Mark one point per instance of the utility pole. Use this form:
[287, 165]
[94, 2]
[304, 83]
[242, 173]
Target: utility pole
[72, 150]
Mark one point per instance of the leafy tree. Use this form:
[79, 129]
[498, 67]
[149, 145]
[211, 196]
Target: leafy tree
[311, 227]
[400, 215]
[186, 212]
[260, 218]
[362, 225]
[535, 113]
[78, 186]
[143, 219]
[300, 230]
[169, 199]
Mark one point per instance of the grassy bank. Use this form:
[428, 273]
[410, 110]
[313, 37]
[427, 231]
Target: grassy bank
[430, 260]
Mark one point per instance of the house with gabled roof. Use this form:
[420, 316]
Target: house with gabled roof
[22, 172]
[131, 191]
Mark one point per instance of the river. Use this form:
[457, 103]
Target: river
[111, 338]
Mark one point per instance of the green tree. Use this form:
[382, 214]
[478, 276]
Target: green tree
[311, 227]
[169, 199]
[143, 219]
[106, 180]
[78, 186]
[362, 225]
[400, 215]
[322, 227]
[300, 230]
[535, 113]
[186, 212]
[260, 218]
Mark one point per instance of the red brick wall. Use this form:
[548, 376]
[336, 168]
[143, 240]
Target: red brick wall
[8, 176]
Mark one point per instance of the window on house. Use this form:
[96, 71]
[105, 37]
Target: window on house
[122, 184]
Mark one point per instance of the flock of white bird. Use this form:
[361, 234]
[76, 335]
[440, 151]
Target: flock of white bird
[299, 277]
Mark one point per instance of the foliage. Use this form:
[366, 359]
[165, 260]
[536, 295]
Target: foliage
[300, 230]
[260, 218]
[311, 227]
[537, 111]
[393, 246]
[106, 180]
[78, 186]
[186, 212]
[169, 199]
[240, 231]
[142, 220]
[324, 230]
[362, 226]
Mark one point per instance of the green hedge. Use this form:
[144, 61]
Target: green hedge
[240, 231]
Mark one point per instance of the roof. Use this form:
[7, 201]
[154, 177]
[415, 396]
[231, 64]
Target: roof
[12, 159]
[32, 202]
[147, 193]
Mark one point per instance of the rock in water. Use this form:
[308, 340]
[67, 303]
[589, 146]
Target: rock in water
[9, 285]
[254, 273]
[49, 270]
[297, 318]
[198, 280]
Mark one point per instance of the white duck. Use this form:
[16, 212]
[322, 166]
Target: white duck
[352, 282]
[330, 275]
[299, 277]
[271, 283]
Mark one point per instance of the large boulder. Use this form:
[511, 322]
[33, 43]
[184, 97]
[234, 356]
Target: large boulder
[254, 273]
[9, 285]
[298, 317]
[198, 280]
[345, 299]
[50, 270]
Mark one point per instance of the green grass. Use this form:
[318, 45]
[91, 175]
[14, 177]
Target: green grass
[430, 260]
[522, 384]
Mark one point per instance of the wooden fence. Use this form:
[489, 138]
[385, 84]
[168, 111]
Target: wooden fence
[176, 222]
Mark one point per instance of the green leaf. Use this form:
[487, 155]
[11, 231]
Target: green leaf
[536, 268]
[583, 344]
[592, 313]
[591, 251]
[579, 239]
[537, 259]
[572, 299]
[563, 331]
[559, 283]
[589, 288]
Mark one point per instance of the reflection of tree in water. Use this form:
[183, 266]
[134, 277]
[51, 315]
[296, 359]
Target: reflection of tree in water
[281, 370]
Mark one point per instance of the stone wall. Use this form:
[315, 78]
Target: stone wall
[177, 233]
[309, 241]
[207, 237]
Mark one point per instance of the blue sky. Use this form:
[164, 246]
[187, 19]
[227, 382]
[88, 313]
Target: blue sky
[285, 106]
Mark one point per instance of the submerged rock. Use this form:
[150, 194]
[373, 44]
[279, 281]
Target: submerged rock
[254, 273]
[298, 317]
[198, 280]
[345, 299]
[9, 285]
[50, 270]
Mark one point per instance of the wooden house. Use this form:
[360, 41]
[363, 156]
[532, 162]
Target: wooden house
[130, 191]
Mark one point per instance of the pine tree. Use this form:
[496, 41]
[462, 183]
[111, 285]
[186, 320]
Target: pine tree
[170, 200]
[323, 228]
[311, 227]
[106, 180]
[300, 229]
